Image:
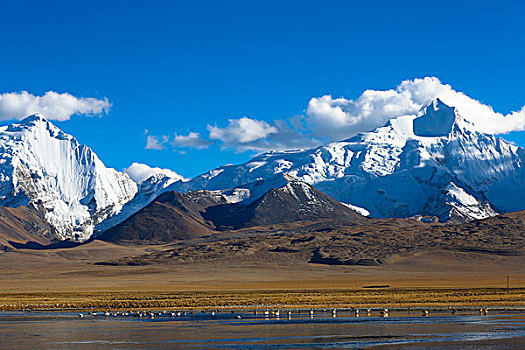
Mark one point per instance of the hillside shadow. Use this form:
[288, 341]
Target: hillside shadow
[39, 246]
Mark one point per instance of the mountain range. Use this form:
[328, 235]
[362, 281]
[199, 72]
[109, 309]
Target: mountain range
[433, 166]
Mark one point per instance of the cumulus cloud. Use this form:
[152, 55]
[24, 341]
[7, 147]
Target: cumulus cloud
[243, 130]
[256, 135]
[288, 135]
[192, 140]
[244, 134]
[333, 119]
[139, 172]
[339, 117]
[53, 105]
[156, 142]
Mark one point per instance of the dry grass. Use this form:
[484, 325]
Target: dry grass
[262, 298]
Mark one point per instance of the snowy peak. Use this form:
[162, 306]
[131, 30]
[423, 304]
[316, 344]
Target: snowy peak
[302, 192]
[465, 206]
[37, 123]
[252, 191]
[151, 183]
[31, 120]
[433, 164]
[436, 120]
[45, 168]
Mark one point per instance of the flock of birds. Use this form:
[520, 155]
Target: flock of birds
[149, 314]
[266, 313]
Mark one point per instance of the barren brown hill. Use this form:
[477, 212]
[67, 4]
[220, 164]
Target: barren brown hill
[297, 201]
[174, 216]
[170, 217]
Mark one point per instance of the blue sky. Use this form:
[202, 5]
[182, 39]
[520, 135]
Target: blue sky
[179, 67]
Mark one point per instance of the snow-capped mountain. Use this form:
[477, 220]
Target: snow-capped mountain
[434, 164]
[44, 168]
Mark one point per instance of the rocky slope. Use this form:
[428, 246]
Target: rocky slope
[22, 225]
[293, 201]
[170, 217]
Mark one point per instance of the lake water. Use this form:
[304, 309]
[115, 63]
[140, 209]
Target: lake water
[441, 330]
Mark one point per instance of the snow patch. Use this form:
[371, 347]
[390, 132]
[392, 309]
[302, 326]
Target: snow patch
[360, 210]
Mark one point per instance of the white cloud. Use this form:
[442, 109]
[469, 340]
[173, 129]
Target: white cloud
[333, 119]
[139, 172]
[244, 134]
[156, 142]
[53, 105]
[255, 135]
[289, 135]
[243, 130]
[340, 118]
[192, 140]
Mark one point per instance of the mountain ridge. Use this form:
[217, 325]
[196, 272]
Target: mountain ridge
[455, 174]
[175, 216]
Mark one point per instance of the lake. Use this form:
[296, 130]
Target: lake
[401, 330]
